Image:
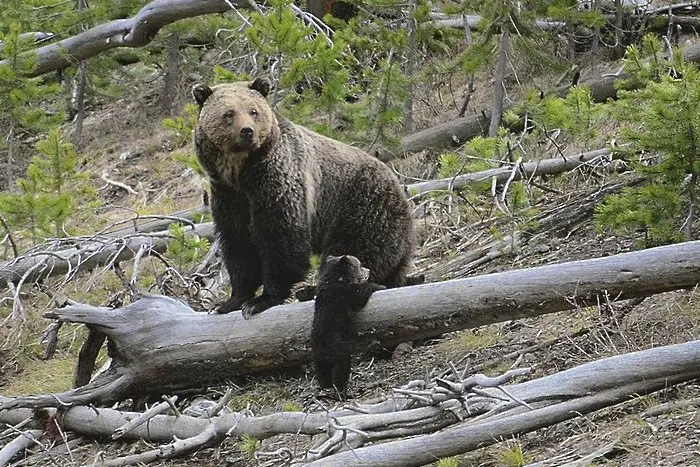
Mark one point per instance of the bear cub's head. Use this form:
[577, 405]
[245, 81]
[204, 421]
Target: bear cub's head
[235, 117]
[344, 269]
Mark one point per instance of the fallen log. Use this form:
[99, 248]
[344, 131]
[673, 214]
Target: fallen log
[137, 31]
[550, 400]
[154, 223]
[200, 348]
[89, 253]
[552, 166]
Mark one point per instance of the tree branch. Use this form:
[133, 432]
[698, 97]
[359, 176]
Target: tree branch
[136, 31]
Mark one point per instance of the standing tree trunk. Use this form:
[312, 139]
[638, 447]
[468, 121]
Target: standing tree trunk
[619, 38]
[410, 61]
[470, 85]
[78, 98]
[11, 147]
[172, 75]
[498, 90]
[79, 103]
[318, 8]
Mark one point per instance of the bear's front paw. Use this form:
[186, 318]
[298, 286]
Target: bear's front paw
[232, 304]
[259, 304]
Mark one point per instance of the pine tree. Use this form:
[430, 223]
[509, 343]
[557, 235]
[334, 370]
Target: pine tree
[51, 192]
[662, 126]
[20, 97]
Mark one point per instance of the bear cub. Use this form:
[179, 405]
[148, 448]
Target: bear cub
[342, 290]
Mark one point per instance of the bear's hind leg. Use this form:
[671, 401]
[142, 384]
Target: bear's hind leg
[341, 374]
[324, 374]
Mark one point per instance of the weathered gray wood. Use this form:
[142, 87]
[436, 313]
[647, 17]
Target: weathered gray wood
[136, 31]
[554, 398]
[154, 223]
[200, 348]
[528, 169]
[94, 252]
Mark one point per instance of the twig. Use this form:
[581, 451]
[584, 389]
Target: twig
[137, 262]
[50, 338]
[9, 236]
[123, 186]
[176, 448]
[157, 409]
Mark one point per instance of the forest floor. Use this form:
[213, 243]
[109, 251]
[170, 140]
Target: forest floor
[141, 159]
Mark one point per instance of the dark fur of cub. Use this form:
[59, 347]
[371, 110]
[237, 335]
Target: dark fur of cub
[342, 290]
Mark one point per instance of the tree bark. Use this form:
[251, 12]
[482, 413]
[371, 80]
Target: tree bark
[318, 8]
[471, 21]
[202, 348]
[136, 31]
[498, 81]
[78, 94]
[172, 75]
[93, 253]
[552, 166]
[409, 66]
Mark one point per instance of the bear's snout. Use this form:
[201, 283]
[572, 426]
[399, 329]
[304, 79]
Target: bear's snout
[247, 134]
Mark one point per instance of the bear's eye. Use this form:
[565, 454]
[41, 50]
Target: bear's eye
[229, 115]
[253, 112]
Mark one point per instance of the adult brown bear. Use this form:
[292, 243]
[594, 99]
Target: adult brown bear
[280, 192]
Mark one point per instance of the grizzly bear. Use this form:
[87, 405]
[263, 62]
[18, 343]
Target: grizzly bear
[280, 192]
[342, 289]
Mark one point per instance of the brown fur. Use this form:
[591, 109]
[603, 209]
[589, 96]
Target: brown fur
[285, 192]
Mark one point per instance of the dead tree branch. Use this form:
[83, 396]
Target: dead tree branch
[552, 166]
[90, 252]
[136, 31]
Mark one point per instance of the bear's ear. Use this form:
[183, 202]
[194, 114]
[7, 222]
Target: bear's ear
[262, 85]
[201, 93]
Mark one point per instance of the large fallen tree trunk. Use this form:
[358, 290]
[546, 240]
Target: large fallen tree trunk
[482, 409]
[537, 404]
[154, 223]
[200, 348]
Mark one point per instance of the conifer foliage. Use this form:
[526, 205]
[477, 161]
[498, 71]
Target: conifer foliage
[661, 123]
[52, 191]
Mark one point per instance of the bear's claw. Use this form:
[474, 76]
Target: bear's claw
[259, 304]
[232, 304]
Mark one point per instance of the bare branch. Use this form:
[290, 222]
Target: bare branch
[136, 31]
